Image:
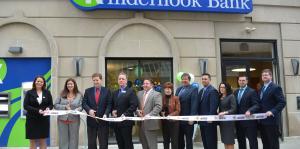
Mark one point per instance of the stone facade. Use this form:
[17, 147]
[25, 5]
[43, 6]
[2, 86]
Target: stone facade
[56, 29]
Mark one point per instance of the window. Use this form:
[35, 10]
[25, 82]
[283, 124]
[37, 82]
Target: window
[247, 57]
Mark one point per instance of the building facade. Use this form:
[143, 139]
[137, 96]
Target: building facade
[74, 43]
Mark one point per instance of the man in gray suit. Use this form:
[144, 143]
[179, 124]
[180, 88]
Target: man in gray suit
[150, 103]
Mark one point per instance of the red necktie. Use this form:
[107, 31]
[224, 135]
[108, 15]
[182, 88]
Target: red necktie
[97, 96]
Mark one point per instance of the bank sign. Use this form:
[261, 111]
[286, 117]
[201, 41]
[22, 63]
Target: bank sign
[221, 6]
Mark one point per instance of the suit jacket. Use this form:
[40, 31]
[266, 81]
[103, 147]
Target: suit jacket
[173, 107]
[152, 107]
[209, 103]
[61, 103]
[249, 102]
[187, 101]
[103, 107]
[125, 104]
[32, 106]
[272, 100]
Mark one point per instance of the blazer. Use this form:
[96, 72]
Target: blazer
[125, 104]
[103, 107]
[152, 107]
[209, 103]
[249, 102]
[173, 107]
[32, 106]
[272, 100]
[187, 99]
[61, 103]
[228, 104]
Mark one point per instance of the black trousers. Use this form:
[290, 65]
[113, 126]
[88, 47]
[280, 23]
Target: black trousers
[187, 131]
[170, 131]
[101, 131]
[209, 136]
[269, 136]
[124, 137]
[249, 132]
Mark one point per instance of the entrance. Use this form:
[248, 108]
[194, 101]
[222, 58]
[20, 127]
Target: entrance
[160, 70]
[248, 57]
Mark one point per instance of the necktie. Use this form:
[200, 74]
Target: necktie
[97, 95]
[181, 91]
[203, 93]
[144, 99]
[262, 92]
[240, 94]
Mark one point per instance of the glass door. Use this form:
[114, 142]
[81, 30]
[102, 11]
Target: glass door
[159, 70]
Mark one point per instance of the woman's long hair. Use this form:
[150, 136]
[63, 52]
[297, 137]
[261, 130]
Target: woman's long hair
[65, 91]
[227, 88]
[33, 84]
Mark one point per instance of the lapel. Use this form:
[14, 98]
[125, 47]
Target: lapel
[205, 93]
[149, 97]
[266, 92]
[122, 94]
[244, 94]
[35, 96]
[92, 92]
[102, 90]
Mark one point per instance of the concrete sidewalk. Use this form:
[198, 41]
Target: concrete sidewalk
[288, 143]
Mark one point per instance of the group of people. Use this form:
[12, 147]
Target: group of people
[99, 101]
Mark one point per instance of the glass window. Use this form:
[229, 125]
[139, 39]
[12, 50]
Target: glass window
[159, 70]
[247, 49]
[249, 58]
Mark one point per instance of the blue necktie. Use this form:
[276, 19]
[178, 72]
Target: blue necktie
[240, 94]
[181, 91]
[263, 89]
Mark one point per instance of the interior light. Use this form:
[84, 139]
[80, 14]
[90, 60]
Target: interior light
[242, 69]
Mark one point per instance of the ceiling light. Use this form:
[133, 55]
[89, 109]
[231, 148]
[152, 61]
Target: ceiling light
[242, 69]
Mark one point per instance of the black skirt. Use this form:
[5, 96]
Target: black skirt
[37, 128]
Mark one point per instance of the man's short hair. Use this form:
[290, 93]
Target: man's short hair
[123, 74]
[206, 74]
[150, 80]
[99, 75]
[269, 71]
[186, 75]
[242, 76]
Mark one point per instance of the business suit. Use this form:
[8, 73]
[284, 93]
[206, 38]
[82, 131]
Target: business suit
[187, 97]
[272, 99]
[249, 102]
[37, 125]
[208, 101]
[97, 127]
[125, 103]
[68, 125]
[149, 128]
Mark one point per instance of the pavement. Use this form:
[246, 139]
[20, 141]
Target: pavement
[288, 143]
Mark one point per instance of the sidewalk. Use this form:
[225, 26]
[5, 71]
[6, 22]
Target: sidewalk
[289, 143]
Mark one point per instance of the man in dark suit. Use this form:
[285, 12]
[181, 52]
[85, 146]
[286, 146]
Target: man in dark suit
[124, 103]
[272, 103]
[97, 102]
[247, 103]
[187, 96]
[208, 102]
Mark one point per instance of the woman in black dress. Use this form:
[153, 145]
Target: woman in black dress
[36, 102]
[227, 106]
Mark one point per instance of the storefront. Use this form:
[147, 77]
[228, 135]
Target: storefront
[146, 38]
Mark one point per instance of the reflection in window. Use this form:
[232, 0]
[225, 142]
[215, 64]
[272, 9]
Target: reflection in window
[159, 70]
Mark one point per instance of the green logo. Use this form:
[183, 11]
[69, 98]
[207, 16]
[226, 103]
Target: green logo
[87, 3]
[3, 70]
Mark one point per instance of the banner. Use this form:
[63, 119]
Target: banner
[236, 117]
[222, 6]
